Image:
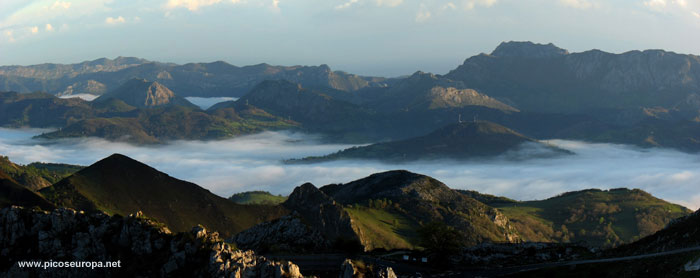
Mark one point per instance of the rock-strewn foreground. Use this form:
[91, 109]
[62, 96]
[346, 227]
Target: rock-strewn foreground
[143, 246]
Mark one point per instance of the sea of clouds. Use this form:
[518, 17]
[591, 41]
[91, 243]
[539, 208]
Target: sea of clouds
[206, 102]
[253, 163]
[203, 102]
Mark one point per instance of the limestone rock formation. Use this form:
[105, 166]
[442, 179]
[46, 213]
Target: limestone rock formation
[142, 247]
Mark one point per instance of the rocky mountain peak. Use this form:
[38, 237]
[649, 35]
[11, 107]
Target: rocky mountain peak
[306, 195]
[143, 93]
[528, 50]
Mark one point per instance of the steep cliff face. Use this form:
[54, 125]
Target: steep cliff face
[289, 234]
[322, 213]
[317, 223]
[141, 246]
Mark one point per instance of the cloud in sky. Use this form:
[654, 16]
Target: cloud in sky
[346, 4]
[115, 20]
[661, 5]
[677, 8]
[656, 4]
[579, 4]
[389, 3]
[9, 35]
[48, 27]
[61, 4]
[35, 30]
[471, 4]
[195, 5]
[449, 6]
[423, 14]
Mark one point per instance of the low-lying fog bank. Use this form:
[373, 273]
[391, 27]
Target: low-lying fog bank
[253, 163]
[206, 102]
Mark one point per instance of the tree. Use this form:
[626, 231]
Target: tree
[441, 239]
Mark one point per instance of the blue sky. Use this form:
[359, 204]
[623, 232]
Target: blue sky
[372, 37]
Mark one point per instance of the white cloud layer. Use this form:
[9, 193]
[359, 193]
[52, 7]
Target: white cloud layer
[252, 163]
[206, 102]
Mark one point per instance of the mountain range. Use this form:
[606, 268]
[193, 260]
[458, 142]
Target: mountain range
[193, 79]
[384, 211]
[645, 98]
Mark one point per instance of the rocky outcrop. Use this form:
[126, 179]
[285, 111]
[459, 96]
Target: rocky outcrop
[84, 87]
[450, 97]
[288, 233]
[316, 223]
[355, 269]
[142, 247]
[321, 212]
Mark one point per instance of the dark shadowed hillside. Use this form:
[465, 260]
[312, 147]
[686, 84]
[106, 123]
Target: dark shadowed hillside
[466, 140]
[12, 193]
[121, 185]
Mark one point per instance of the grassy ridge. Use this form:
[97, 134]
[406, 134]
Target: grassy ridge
[36, 175]
[257, 197]
[384, 228]
[600, 218]
[155, 125]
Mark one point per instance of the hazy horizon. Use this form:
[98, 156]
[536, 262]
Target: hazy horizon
[368, 37]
